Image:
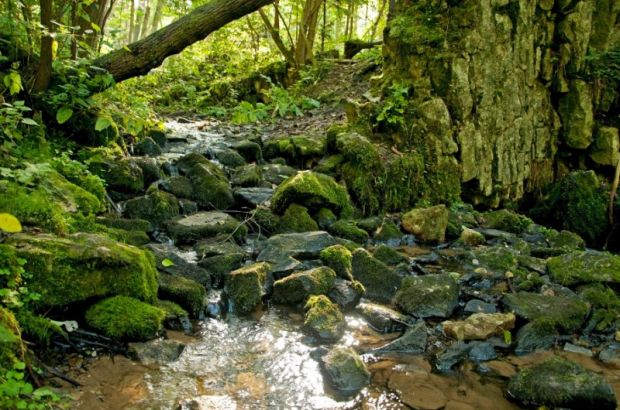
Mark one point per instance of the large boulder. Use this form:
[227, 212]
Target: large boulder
[246, 286]
[346, 370]
[323, 318]
[297, 219]
[430, 295]
[210, 186]
[156, 207]
[606, 147]
[205, 225]
[380, 281]
[82, 266]
[338, 257]
[584, 267]
[312, 189]
[559, 383]
[427, 224]
[299, 286]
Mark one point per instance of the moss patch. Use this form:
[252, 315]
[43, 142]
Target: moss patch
[299, 286]
[245, 286]
[347, 229]
[584, 267]
[187, 293]
[312, 189]
[297, 219]
[338, 257]
[323, 318]
[506, 220]
[379, 280]
[563, 312]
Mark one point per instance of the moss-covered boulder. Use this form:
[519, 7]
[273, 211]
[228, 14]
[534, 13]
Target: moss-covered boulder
[427, 224]
[122, 175]
[389, 256]
[325, 217]
[299, 286]
[379, 280]
[312, 189]
[584, 267]
[247, 176]
[125, 318]
[157, 207]
[178, 185]
[479, 326]
[204, 225]
[210, 186]
[176, 317]
[250, 151]
[605, 305]
[297, 219]
[506, 220]
[388, 231]
[81, 266]
[347, 229]
[470, 237]
[338, 257]
[606, 147]
[187, 293]
[298, 150]
[497, 259]
[323, 318]
[346, 370]
[307, 245]
[559, 383]
[246, 286]
[564, 312]
[147, 146]
[577, 203]
[426, 296]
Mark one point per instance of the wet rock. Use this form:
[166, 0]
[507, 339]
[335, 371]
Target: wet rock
[228, 157]
[382, 318]
[416, 390]
[161, 351]
[325, 217]
[246, 286]
[478, 306]
[585, 267]
[276, 174]
[178, 186]
[387, 232]
[505, 220]
[220, 265]
[249, 150]
[148, 147]
[121, 175]
[159, 136]
[347, 229]
[204, 225]
[389, 256]
[339, 258]
[298, 245]
[346, 370]
[312, 189]
[253, 196]
[610, 355]
[379, 280]
[188, 294]
[179, 266]
[247, 176]
[606, 308]
[569, 347]
[346, 294]
[481, 352]
[452, 356]
[210, 186]
[188, 207]
[297, 219]
[323, 318]
[266, 222]
[125, 224]
[176, 318]
[413, 341]
[564, 312]
[497, 259]
[216, 247]
[150, 169]
[565, 240]
[479, 326]
[208, 403]
[427, 224]
[297, 150]
[297, 287]
[560, 383]
[470, 237]
[426, 296]
[156, 207]
[369, 224]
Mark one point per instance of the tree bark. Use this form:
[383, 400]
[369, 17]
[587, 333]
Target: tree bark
[44, 71]
[140, 57]
[157, 16]
[275, 36]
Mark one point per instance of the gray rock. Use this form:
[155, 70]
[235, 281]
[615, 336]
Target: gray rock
[478, 306]
[161, 351]
[382, 318]
[276, 174]
[204, 225]
[563, 311]
[253, 196]
[380, 281]
[569, 347]
[345, 294]
[535, 336]
[306, 245]
[429, 295]
[346, 370]
[481, 352]
[412, 341]
[148, 146]
[180, 266]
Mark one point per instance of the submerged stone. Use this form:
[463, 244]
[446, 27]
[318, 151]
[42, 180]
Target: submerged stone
[413, 341]
[430, 295]
[299, 245]
[346, 370]
[479, 326]
[382, 318]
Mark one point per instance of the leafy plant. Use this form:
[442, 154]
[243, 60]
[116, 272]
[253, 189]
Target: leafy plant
[246, 113]
[17, 393]
[392, 110]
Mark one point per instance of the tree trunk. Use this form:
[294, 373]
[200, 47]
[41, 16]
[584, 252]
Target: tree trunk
[140, 57]
[132, 21]
[145, 21]
[275, 36]
[44, 72]
[375, 26]
[157, 16]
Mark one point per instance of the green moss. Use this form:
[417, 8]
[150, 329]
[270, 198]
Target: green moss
[443, 181]
[404, 182]
[606, 305]
[125, 224]
[247, 176]
[339, 259]
[210, 186]
[325, 217]
[387, 230]
[378, 279]
[297, 150]
[245, 286]
[125, 318]
[584, 267]
[172, 309]
[297, 219]
[157, 207]
[82, 266]
[122, 175]
[266, 221]
[297, 287]
[577, 203]
[370, 224]
[37, 329]
[418, 25]
[389, 256]
[136, 238]
[429, 295]
[187, 293]
[330, 165]
[498, 259]
[323, 318]
[506, 220]
[527, 281]
[312, 189]
[11, 346]
[564, 312]
[78, 174]
[347, 229]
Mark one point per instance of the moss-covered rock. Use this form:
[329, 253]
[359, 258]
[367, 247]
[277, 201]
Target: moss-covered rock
[584, 267]
[125, 318]
[147, 146]
[606, 307]
[122, 175]
[559, 383]
[246, 286]
[426, 296]
[124, 224]
[297, 219]
[427, 224]
[312, 189]
[379, 280]
[266, 221]
[204, 225]
[323, 318]
[338, 257]
[37, 329]
[325, 217]
[176, 317]
[387, 231]
[498, 259]
[470, 237]
[606, 147]
[347, 229]
[250, 151]
[82, 266]
[389, 256]
[564, 312]
[346, 370]
[178, 185]
[247, 176]
[299, 286]
[11, 346]
[506, 220]
[157, 207]
[577, 203]
[210, 186]
[187, 293]
[575, 109]
[297, 150]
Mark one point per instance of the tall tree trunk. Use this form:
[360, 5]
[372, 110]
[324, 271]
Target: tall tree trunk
[74, 34]
[145, 21]
[132, 21]
[375, 26]
[307, 32]
[44, 71]
[275, 36]
[159, 9]
[140, 57]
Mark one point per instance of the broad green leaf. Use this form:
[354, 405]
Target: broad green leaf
[30, 121]
[166, 263]
[95, 27]
[102, 123]
[63, 115]
[8, 223]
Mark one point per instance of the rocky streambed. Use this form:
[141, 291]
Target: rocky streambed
[280, 294]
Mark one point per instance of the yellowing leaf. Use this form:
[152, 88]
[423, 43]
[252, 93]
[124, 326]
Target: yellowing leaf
[10, 224]
[166, 263]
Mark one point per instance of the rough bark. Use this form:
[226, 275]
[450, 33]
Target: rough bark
[140, 57]
[44, 72]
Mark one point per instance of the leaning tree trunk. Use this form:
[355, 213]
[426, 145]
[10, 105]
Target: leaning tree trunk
[140, 57]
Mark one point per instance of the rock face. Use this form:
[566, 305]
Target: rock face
[346, 370]
[479, 326]
[430, 295]
[427, 224]
[559, 383]
[506, 80]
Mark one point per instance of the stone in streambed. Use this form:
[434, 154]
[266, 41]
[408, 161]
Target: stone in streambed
[204, 225]
[585, 267]
[479, 326]
[338, 257]
[382, 318]
[427, 224]
[312, 189]
[246, 286]
[299, 245]
[379, 280]
[413, 341]
[323, 318]
[299, 286]
[346, 294]
[430, 295]
[156, 207]
[161, 351]
[346, 370]
[564, 312]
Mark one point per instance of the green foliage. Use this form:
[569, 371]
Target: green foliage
[392, 108]
[17, 393]
[246, 113]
